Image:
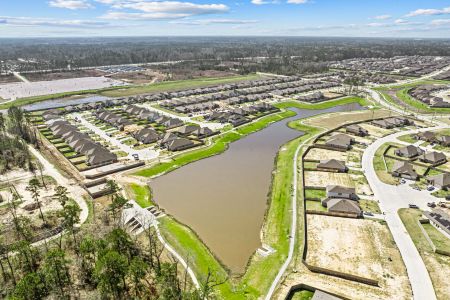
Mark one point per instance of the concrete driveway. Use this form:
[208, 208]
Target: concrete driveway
[392, 198]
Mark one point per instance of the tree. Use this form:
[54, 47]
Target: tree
[56, 270]
[71, 216]
[110, 272]
[32, 286]
[137, 275]
[2, 123]
[34, 187]
[61, 195]
[118, 240]
[117, 204]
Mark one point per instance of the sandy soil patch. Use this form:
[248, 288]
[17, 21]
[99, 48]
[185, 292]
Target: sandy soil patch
[375, 131]
[39, 88]
[335, 119]
[372, 254]
[320, 154]
[326, 178]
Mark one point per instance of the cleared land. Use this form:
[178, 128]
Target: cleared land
[436, 264]
[372, 254]
[320, 154]
[40, 88]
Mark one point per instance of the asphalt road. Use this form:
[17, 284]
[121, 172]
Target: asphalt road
[392, 198]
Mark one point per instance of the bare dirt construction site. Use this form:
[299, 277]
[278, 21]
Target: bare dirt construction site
[31, 89]
[49, 76]
[359, 247]
[322, 154]
[141, 77]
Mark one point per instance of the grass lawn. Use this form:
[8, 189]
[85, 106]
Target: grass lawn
[315, 205]
[436, 264]
[315, 194]
[303, 295]
[370, 205]
[439, 239]
[141, 194]
[440, 193]
[177, 85]
[380, 167]
[323, 105]
[407, 138]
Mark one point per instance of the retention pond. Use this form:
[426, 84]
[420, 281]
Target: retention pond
[224, 197]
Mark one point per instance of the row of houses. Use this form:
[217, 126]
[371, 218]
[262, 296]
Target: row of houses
[424, 93]
[431, 137]
[145, 114]
[96, 154]
[392, 122]
[238, 115]
[431, 157]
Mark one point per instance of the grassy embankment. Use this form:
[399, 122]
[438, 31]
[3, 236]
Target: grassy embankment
[324, 105]
[380, 166]
[140, 193]
[121, 91]
[436, 264]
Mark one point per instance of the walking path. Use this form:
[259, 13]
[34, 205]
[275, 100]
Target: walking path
[392, 198]
[20, 77]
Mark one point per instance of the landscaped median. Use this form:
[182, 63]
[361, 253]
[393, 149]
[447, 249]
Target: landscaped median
[436, 264]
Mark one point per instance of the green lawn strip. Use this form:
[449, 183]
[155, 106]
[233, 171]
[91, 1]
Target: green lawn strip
[314, 194]
[439, 239]
[370, 206]
[413, 84]
[323, 105]
[141, 194]
[408, 138]
[380, 168]
[303, 295]
[178, 85]
[314, 205]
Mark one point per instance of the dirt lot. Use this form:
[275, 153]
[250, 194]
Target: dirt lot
[326, 178]
[333, 120]
[62, 75]
[8, 79]
[320, 154]
[143, 77]
[373, 253]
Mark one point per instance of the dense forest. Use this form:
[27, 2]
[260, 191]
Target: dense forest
[44, 54]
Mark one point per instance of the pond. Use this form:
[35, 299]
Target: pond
[224, 197]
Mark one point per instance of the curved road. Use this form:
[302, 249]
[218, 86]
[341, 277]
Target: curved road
[392, 198]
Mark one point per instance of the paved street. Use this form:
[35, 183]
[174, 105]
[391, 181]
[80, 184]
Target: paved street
[392, 198]
[145, 154]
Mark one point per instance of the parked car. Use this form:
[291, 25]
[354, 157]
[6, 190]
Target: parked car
[367, 213]
[430, 188]
[416, 188]
[402, 181]
[413, 206]
[431, 204]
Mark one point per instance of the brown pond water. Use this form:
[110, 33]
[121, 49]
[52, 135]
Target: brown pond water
[224, 197]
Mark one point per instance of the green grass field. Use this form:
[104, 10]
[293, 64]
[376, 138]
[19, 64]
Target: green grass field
[141, 194]
[323, 105]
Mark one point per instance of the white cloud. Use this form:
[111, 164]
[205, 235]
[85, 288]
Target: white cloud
[214, 21]
[262, 2]
[440, 22]
[382, 17]
[117, 15]
[297, 1]
[24, 21]
[429, 12]
[70, 4]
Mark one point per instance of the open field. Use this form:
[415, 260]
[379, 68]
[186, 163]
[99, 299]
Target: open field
[41, 88]
[330, 121]
[372, 254]
[382, 166]
[436, 264]
[49, 76]
[323, 105]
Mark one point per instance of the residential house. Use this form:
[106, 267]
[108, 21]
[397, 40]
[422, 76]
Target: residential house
[179, 144]
[356, 130]
[433, 157]
[172, 123]
[146, 135]
[444, 140]
[320, 295]
[344, 206]
[409, 151]
[426, 136]
[187, 129]
[340, 141]
[100, 156]
[167, 138]
[405, 170]
[337, 191]
[441, 181]
[203, 132]
[439, 219]
[332, 165]
[383, 124]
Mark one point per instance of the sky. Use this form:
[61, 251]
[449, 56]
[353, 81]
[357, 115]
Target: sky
[351, 18]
